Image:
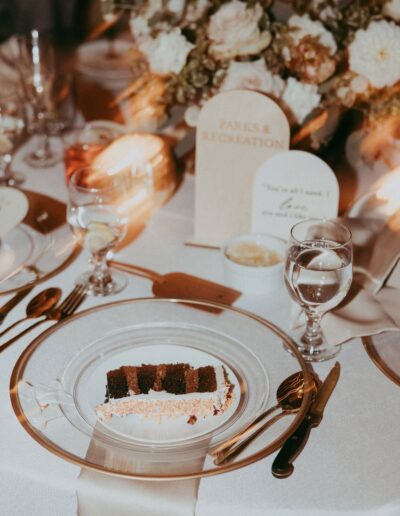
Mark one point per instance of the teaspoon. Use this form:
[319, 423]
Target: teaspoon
[39, 305]
[289, 395]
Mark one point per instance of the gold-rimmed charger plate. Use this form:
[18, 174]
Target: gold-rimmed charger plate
[40, 247]
[384, 351]
[51, 384]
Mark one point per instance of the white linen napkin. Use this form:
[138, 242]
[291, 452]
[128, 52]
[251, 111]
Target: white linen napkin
[103, 494]
[372, 305]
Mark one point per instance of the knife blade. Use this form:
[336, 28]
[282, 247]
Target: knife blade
[7, 307]
[282, 467]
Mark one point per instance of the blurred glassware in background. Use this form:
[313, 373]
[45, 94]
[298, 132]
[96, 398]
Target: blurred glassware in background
[83, 144]
[11, 128]
[48, 98]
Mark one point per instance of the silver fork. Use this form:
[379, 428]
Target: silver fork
[65, 309]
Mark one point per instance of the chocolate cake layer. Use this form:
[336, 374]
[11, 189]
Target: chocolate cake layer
[172, 378]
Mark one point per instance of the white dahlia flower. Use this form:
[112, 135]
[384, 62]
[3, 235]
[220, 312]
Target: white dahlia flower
[375, 54]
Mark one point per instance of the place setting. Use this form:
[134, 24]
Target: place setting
[199, 285]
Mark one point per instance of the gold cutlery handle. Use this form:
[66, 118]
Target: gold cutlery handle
[216, 450]
[13, 325]
[20, 334]
[232, 452]
[7, 307]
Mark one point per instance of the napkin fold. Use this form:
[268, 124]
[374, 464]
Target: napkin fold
[102, 494]
[373, 303]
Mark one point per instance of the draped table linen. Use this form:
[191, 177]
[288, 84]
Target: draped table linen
[350, 465]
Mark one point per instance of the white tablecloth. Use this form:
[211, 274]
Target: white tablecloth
[351, 464]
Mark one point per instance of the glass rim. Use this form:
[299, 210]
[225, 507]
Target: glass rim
[324, 221]
[89, 189]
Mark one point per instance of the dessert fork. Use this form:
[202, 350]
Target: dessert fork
[60, 312]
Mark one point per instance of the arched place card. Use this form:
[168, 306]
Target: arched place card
[289, 187]
[236, 132]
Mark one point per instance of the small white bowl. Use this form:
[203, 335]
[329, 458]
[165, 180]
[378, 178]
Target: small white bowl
[254, 279]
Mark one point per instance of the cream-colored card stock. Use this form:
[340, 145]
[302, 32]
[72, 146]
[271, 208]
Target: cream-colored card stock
[237, 131]
[289, 187]
[13, 209]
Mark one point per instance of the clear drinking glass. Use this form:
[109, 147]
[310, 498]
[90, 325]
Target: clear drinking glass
[11, 127]
[318, 275]
[37, 66]
[98, 210]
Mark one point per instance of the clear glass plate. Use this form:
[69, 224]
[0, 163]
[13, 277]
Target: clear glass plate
[41, 246]
[61, 377]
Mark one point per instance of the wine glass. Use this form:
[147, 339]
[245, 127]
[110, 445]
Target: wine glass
[11, 127]
[37, 67]
[318, 275]
[97, 213]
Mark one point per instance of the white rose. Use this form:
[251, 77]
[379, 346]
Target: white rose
[392, 10]
[303, 26]
[167, 53]
[234, 31]
[301, 98]
[252, 76]
[374, 53]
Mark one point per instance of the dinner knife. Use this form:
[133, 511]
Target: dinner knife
[7, 307]
[282, 466]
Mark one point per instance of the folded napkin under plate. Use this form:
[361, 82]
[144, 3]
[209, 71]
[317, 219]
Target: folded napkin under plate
[373, 303]
[103, 494]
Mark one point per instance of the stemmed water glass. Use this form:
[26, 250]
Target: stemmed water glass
[318, 275]
[37, 68]
[97, 212]
[11, 127]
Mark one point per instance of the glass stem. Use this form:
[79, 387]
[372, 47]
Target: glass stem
[43, 148]
[100, 276]
[313, 335]
[4, 167]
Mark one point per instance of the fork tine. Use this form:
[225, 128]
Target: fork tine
[75, 301]
[70, 296]
[70, 300]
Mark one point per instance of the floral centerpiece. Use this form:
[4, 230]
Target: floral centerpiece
[314, 57]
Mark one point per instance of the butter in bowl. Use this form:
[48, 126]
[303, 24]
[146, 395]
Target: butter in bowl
[253, 263]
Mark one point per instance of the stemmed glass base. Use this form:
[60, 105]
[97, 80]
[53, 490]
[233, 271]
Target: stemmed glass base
[318, 351]
[42, 158]
[12, 179]
[114, 284]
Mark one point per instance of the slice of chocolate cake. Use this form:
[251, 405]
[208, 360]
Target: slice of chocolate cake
[166, 390]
